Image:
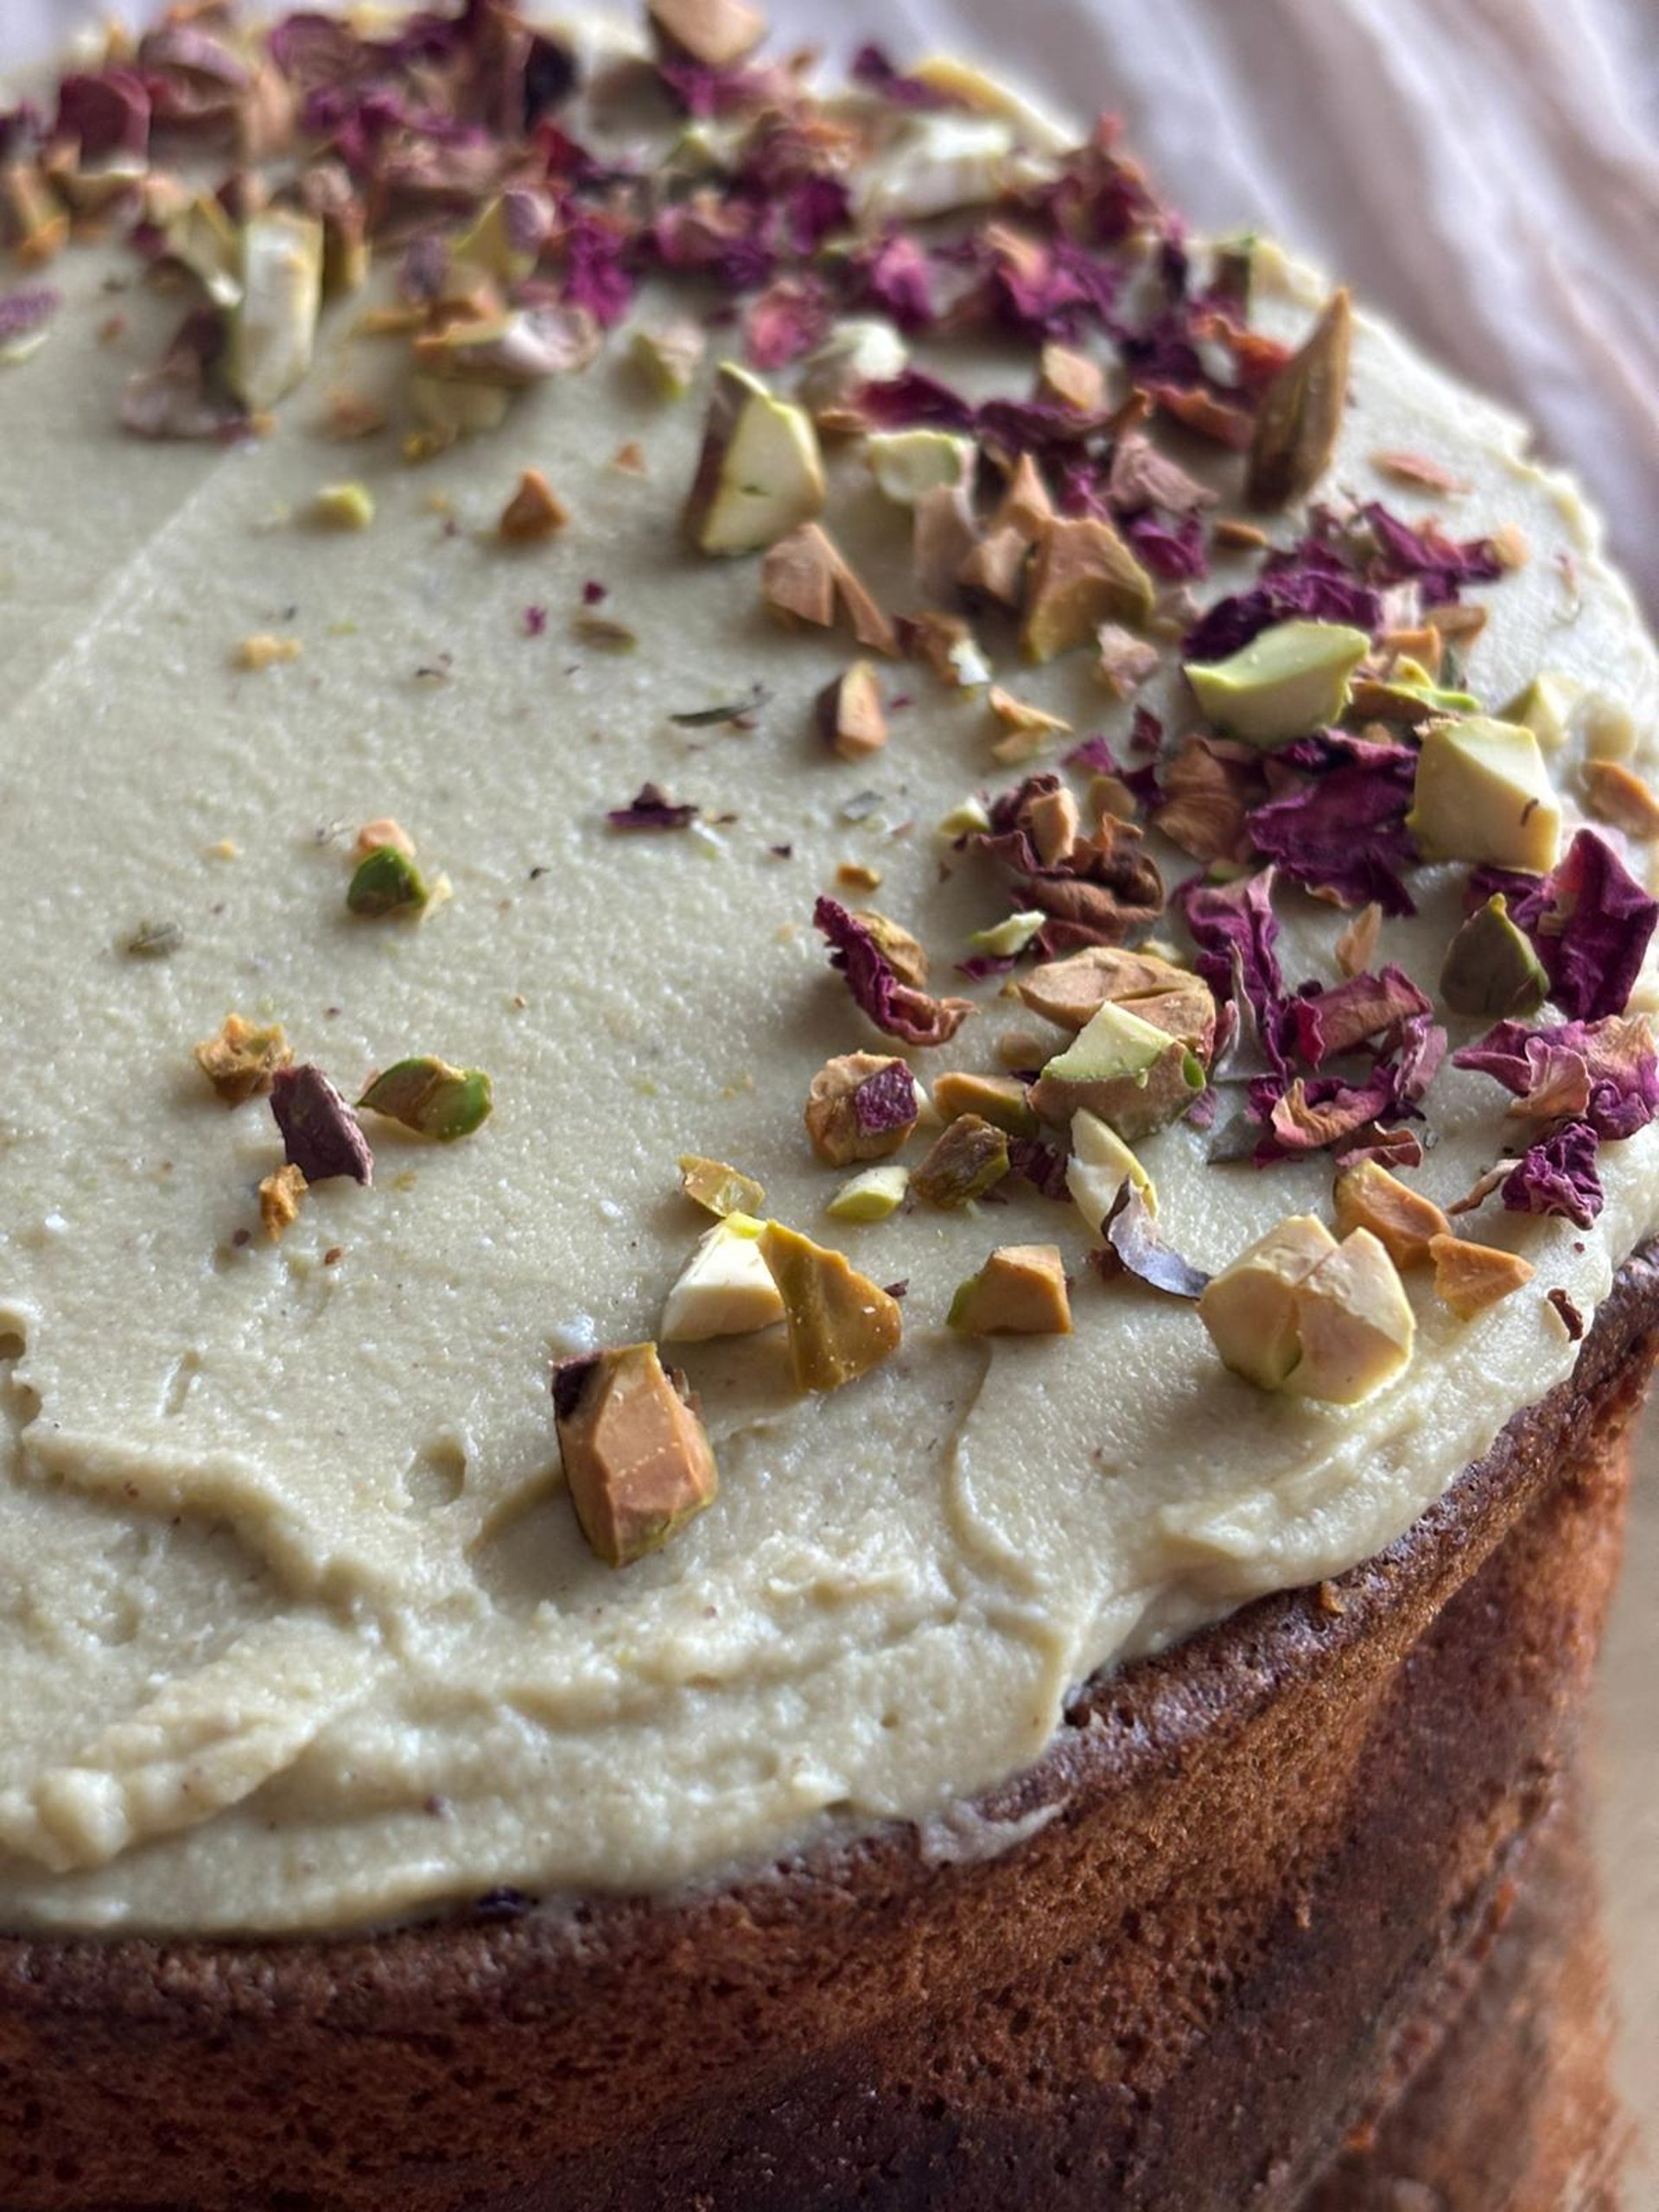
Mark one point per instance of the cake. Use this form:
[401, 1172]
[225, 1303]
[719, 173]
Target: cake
[829, 1157]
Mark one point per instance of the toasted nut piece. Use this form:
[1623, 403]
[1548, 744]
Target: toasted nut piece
[842, 1129]
[386, 881]
[1030, 728]
[670, 357]
[804, 578]
[262, 651]
[1135, 1074]
[1617, 796]
[850, 715]
[637, 1458]
[1002, 1099]
[717, 1188]
[1071, 379]
[871, 1195]
[383, 831]
[965, 1162]
[1008, 938]
[1355, 948]
[1083, 575]
[995, 564]
[1020, 1292]
[860, 350]
[431, 1097]
[241, 1060]
[1470, 1277]
[1052, 822]
[1289, 681]
[1250, 1308]
[1100, 1165]
[897, 947]
[344, 506]
[1356, 1324]
[1071, 991]
[1025, 505]
[724, 1289]
[946, 644]
[857, 875]
[839, 1325]
[1546, 707]
[279, 1199]
[534, 511]
[272, 326]
[718, 33]
[1300, 415]
[1483, 793]
[1490, 968]
[944, 537]
[760, 472]
[1125, 662]
[1402, 1221]
[909, 464]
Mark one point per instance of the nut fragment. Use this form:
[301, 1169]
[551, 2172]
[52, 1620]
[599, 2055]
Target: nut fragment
[637, 1458]
[279, 1200]
[1100, 1165]
[839, 1325]
[534, 513]
[1291, 680]
[1135, 1074]
[383, 831]
[1491, 969]
[724, 1289]
[1483, 793]
[1470, 1277]
[386, 881]
[1617, 796]
[1071, 992]
[1083, 575]
[1070, 380]
[860, 1106]
[670, 357]
[871, 1195]
[1300, 415]
[718, 33]
[1020, 1290]
[1029, 727]
[804, 578]
[1298, 1312]
[344, 506]
[717, 1188]
[850, 715]
[241, 1060]
[1403, 1222]
[946, 644]
[430, 1097]
[759, 472]
[1001, 1100]
[966, 1161]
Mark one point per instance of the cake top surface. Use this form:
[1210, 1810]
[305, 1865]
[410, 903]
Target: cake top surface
[303, 1627]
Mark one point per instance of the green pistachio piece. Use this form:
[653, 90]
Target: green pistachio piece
[1545, 707]
[717, 1188]
[968, 1159]
[1009, 936]
[344, 506]
[1491, 969]
[202, 239]
[872, 1195]
[1286, 684]
[1484, 794]
[432, 1098]
[386, 881]
[907, 463]
[1134, 1075]
[668, 357]
[273, 326]
[1002, 1099]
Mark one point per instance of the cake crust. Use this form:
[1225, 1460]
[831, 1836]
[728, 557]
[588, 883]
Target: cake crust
[1240, 1866]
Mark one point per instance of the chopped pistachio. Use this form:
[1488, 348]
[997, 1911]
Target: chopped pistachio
[258, 653]
[1030, 728]
[717, 1188]
[451, 409]
[1069, 378]
[344, 506]
[1545, 707]
[1300, 417]
[840, 1324]
[1484, 794]
[279, 1199]
[1004, 939]
[1134, 1075]
[240, 1061]
[1083, 575]
[840, 1132]
[998, 1099]
[1356, 945]
[273, 324]
[970, 817]
[725, 1289]
[668, 357]
[946, 644]
[993, 566]
[850, 715]
[871, 1195]
[943, 538]
[1299, 1312]
[504, 240]
[1491, 969]
[1025, 505]
[804, 578]
[1470, 1277]
[155, 940]
[857, 352]
[1402, 1221]
[534, 513]
[1020, 1290]
[1407, 694]
[1617, 796]
[637, 1458]
[386, 881]
[905, 464]
[1604, 725]
[202, 239]
[1071, 991]
[602, 631]
[432, 1098]
[1250, 1307]
[720, 34]
[1288, 682]
[760, 473]
[1100, 1165]
[1051, 821]
[968, 1159]
[383, 831]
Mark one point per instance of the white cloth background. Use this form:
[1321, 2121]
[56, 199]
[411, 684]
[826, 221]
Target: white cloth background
[1487, 170]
